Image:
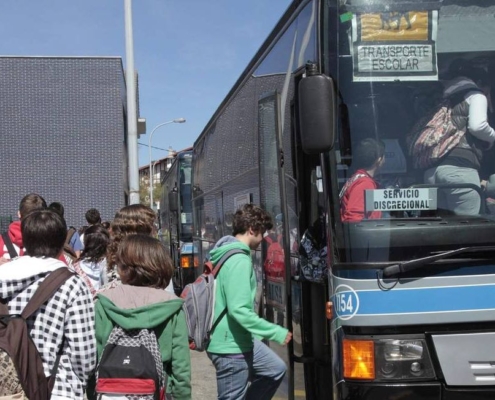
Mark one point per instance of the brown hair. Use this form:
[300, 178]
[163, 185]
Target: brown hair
[143, 261]
[251, 216]
[96, 240]
[43, 233]
[133, 219]
[31, 202]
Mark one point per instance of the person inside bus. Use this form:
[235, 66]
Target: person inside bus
[369, 158]
[469, 90]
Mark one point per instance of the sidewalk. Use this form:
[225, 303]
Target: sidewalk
[204, 382]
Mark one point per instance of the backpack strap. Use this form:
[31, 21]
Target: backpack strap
[85, 277]
[70, 233]
[46, 290]
[224, 258]
[53, 372]
[217, 321]
[458, 97]
[10, 246]
[4, 309]
[70, 252]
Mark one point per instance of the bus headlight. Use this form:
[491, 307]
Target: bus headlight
[386, 359]
[402, 359]
[400, 350]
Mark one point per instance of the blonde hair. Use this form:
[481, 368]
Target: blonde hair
[129, 220]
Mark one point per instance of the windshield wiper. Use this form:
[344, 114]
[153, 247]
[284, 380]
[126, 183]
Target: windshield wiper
[411, 265]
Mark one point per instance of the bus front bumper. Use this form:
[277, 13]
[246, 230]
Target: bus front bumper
[411, 391]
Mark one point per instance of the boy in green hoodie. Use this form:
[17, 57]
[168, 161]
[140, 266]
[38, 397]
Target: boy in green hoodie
[236, 353]
[141, 302]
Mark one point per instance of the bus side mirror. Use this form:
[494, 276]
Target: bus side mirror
[316, 111]
[173, 200]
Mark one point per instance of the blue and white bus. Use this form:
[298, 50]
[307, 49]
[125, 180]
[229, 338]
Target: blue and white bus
[412, 291]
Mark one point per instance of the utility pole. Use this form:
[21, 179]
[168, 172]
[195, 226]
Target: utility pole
[132, 132]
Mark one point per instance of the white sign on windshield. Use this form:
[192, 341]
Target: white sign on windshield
[391, 59]
[395, 45]
[408, 199]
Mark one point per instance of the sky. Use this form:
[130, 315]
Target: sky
[188, 53]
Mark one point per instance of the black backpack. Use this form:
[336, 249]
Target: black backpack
[21, 366]
[131, 366]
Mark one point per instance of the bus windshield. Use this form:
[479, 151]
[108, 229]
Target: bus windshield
[414, 163]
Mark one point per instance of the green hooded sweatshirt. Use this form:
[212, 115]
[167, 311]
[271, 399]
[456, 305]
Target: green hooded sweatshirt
[236, 290]
[133, 307]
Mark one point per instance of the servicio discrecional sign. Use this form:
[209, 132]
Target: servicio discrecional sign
[408, 199]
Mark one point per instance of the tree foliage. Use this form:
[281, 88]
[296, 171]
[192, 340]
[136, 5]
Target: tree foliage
[144, 192]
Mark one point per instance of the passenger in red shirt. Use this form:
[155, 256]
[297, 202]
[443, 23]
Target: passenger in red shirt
[30, 202]
[369, 156]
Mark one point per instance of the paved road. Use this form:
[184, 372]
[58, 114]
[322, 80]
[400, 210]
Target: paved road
[204, 383]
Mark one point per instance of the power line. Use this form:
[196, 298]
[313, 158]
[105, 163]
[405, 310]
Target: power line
[153, 147]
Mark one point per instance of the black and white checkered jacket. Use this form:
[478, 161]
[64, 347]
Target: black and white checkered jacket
[67, 317]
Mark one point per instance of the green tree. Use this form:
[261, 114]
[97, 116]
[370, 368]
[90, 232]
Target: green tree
[144, 192]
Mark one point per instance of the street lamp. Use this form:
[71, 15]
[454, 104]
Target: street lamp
[174, 121]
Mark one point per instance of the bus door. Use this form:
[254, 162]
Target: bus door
[310, 277]
[276, 274]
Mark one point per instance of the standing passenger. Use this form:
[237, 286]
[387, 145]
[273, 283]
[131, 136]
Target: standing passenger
[92, 265]
[141, 303]
[29, 203]
[129, 220]
[72, 238]
[235, 350]
[93, 217]
[369, 156]
[65, 324]
[468, 93]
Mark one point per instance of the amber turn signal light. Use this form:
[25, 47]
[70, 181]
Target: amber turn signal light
[185, 261]
[359, 359]
[329, 309]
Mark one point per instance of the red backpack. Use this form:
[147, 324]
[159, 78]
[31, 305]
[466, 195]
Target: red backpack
[275, 259]
[433, 137]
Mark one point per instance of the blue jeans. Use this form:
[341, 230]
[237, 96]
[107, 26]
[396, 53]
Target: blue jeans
[262, 367]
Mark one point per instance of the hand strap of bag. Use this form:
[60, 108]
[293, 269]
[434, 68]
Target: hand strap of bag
[10, 246]
[46, 290]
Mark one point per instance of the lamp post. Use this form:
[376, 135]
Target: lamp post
[132, 132]
[174, 121]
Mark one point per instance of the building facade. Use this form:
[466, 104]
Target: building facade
[63, 133]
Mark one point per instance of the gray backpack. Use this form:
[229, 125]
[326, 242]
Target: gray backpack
[199, 304]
